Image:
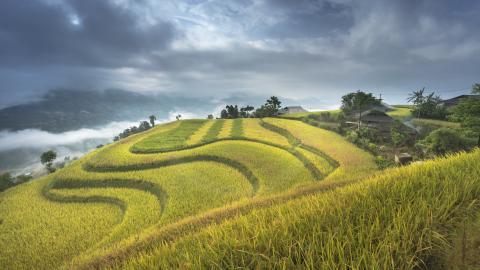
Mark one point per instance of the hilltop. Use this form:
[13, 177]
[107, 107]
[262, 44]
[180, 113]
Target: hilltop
[247, 192]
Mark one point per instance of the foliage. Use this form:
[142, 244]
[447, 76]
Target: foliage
[246, 111]
[47, 159]
[476, 88]
[443, 141]
[397, 133]
[143, 126]
[383, 163]
[6, 181]
[402, 219]
[357, 102]
[152, 119]
[269, 109]
[114, 197]
[429, 106]
[467, 112]
[230, 112]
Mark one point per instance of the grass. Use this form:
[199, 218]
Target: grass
[465, 247]
[170, 140]
[125, 191]
[401, 112]
[38, 233]
[359, 166]
[400, 220]
[354, 163]
[434, 123]
[305, 114]
[237, 128]
[226, 130]
[213, 132]
[197, 136]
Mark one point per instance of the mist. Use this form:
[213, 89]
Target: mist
[20, 150]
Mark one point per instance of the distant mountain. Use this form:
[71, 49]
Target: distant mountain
[63, 110]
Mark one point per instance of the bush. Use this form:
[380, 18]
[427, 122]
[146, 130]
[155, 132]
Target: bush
[6, 181]
[383, 163]
[352, 136]
[443, 141]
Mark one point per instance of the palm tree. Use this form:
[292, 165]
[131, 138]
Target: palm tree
[417, 98]
[152, 119]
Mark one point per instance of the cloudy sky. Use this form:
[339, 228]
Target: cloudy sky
[306, 49]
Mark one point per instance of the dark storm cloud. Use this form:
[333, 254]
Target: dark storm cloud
[87, 32]
[296, 49]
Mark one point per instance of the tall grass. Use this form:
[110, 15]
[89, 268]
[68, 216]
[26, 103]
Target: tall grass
[197, 137]
[400, 220]
[214, 130]
[170, 140]
[180, 176]
[353, 162]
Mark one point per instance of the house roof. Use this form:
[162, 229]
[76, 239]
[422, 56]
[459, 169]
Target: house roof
[377, 116]
[455, 100]
[293, 107]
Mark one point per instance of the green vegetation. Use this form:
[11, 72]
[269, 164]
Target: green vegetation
[170, 140]
[427, 106]
[443, 141]
[243, 192]
[468, 113]
[47, 159]
[400, 220]
[401, 112]
[432, 123]
[151, 180]
[306, 114]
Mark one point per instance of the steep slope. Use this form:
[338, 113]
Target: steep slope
[179, 176]
[403, 219]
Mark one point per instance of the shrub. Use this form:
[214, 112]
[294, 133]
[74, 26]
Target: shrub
[383, 163]
[443, 141]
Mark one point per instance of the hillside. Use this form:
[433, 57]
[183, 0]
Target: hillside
[62, 110]
[245, 192]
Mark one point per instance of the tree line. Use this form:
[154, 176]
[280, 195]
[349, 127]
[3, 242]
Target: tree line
[269, 109]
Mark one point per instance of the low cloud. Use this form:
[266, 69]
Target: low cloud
[35, 138]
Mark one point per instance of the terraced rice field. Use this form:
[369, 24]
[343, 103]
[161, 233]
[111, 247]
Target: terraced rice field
[173, 176]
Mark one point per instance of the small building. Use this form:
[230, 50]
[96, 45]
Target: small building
[403, 158]
[292, 109]
[377, 119]
[454, 101]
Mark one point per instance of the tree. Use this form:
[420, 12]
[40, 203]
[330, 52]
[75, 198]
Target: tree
[467, 112]
[357, 102]
[210, 116]
[245, 111]
[232, 111]
[6, 181]
[476, 88]
[429, 106]
[178, 117]
[416, 97]
[144, 125]
[47, 159]
[397, 134]
[274, 102]
[443, 141]
[224, 114]
[152, 120]
[270, 108]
